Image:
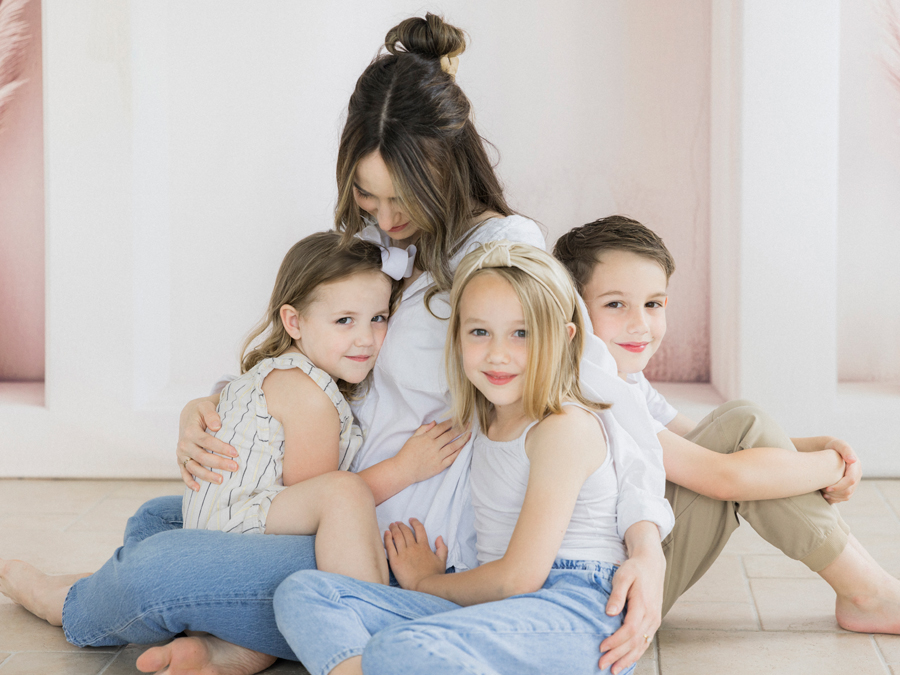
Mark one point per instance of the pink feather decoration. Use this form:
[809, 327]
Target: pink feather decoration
[892, 27]
[13, 39]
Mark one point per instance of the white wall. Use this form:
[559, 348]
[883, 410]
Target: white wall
[189, 144]
[781, 179]
[184, 140]
[868, 273]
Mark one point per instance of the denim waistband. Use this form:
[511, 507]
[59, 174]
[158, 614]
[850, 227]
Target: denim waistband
[588, 565]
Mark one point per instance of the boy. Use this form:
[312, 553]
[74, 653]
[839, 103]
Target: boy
[622, 270]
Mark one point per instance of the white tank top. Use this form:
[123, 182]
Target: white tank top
[499, 477]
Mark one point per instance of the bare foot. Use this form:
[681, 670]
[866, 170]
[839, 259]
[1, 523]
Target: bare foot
[871, 613]
[868, 598]
[41, 594]
[203, 655]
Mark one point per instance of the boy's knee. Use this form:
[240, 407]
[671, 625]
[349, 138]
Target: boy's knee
[756, 427]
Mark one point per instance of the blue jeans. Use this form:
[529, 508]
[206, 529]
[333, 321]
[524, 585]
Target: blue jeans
[166, 580]
[328, 618]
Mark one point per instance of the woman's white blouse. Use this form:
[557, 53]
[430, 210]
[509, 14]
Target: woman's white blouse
[409, 389]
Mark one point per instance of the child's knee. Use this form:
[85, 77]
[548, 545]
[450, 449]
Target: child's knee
[756, 427]
[347, 490]
[296, 590]
[736, 407]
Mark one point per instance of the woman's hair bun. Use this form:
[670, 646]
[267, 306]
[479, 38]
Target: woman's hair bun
[430, 37]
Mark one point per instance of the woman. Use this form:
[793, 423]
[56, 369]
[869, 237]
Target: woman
[411, 163]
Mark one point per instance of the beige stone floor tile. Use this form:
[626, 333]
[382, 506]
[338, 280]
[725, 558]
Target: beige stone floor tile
[694, 652]
[148, 489]
[890, 648]
[55, 663]
[794, 605]
[890, 490]
[647, 664]
[3, 658]
[112, 512]
[109, 515]
[745, 541]
[711, 616]
[883, 525]
[866, 501]
[20, 631]
[52, 496]
[885, 549]
[63, 552]
[36, 522]
[123, 663]
[724, 582]
[776, 567]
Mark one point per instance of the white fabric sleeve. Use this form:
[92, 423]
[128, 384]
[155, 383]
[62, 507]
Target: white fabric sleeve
[660, 409]
[635, 448]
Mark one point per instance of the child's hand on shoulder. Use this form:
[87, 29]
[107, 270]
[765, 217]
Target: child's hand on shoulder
[410, 556]
[846, 486]
[431, 449]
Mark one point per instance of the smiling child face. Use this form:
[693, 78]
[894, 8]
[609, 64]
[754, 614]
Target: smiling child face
[626, 300]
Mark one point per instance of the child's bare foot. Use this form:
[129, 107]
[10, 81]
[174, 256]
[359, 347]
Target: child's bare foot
[203, 655]
[868, 598]
[877, 611]
[41, 594]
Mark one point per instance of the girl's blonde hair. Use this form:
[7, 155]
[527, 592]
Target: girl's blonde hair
[406, 108]
[318, 259]
[549, 302]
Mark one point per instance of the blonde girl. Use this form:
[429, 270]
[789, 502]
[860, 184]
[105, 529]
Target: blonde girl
[544, 488]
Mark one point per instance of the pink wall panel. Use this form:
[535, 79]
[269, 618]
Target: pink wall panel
[22, 220]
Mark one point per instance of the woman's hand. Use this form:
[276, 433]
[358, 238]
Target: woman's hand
[430, 450]
[844, 488]
[410, 556]
[639, 582]
[198, 448]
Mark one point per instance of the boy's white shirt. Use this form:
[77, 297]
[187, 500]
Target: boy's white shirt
[409, 388]
[660, 409]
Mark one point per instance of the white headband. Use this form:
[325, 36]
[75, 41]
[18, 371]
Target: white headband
[494, 249]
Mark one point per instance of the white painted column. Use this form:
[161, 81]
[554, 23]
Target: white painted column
[774, 213]
[775, 113]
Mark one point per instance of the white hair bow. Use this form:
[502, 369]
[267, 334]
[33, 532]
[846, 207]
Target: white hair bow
[396, 262]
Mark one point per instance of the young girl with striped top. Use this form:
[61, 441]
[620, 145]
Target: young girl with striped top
[287, 415]
[544, 490]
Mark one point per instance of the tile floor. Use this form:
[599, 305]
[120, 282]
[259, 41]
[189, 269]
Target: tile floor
[754, 612]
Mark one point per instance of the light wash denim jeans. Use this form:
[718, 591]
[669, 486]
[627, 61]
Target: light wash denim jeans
[165, 580]
[328, 618]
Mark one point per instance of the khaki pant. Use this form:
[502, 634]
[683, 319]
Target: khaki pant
[805, 528]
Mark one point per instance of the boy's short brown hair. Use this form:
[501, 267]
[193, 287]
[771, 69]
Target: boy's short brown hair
[580, 248]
